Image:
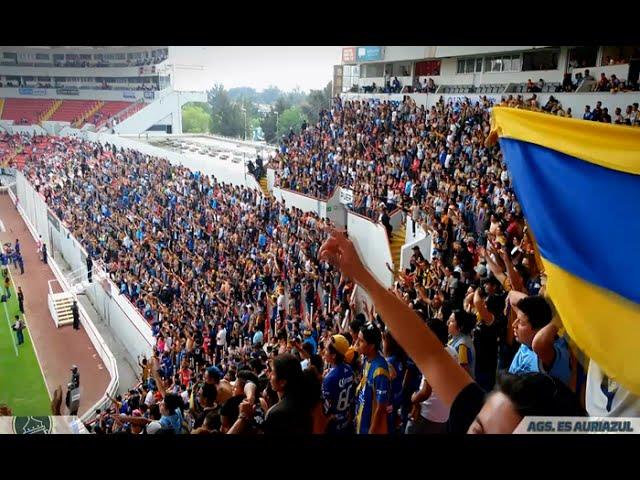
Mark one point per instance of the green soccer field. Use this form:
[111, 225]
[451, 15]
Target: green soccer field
[22, 386]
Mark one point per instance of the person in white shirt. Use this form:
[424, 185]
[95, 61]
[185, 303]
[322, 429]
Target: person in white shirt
[430, 414]
[148, 399]
[221, 341]
[280, 302]
[185, 396]
[607, 398]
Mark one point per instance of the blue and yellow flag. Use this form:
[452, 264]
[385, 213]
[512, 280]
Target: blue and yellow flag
[578, 183]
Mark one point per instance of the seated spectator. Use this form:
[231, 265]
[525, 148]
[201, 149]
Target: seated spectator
[605, 117]
[531, 87]
[603, 84]
[618, 119]
[567, 84]
[615, 84]
[533, 102]
[551, 104]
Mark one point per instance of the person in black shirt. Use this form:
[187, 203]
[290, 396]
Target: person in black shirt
[207, 400]
[89, 268]
[20, 300]
[76, 315]
[485, 342]
[495, 302]
[292, 414]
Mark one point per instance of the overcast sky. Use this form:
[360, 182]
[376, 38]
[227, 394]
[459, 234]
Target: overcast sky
[257, 67]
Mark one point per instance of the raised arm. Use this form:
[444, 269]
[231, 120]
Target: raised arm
[543, 345]
[481, 307]
[446, 376]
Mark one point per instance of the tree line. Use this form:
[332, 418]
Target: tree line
[240, 111]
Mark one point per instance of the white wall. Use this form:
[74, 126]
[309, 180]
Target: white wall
[575, 101]
[368, 81]
[169, 104]
[407, 251]
[105, 95]
[395, 219]
[421, 239]
[271, 178]
[401, 53]
[30, 129]
[373, 246]
[448, 75]
[54, 128]
[336, 211]
[298, 200]
[457, 51]
[419, 98]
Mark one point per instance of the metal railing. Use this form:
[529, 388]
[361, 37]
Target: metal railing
[123, 114]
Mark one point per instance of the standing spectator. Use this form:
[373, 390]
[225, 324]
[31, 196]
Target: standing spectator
[460, 325]
[7, 285]
[39, 246]
[18, 327]
[373, 393]
[485, 342]
[539, 349]
[21, 300]
[429, 413]
[20, 262]
[292, 413]
[44, 253]
[338, 387]
[603, 83]
[597, 112]
[396, 361]
[221, 341]
[89, 268]
[385, 220]
[76, 315]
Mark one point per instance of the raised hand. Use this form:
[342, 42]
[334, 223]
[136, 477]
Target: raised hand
[341, 253]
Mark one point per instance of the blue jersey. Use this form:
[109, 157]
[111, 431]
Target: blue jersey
[526, 361]
[374, 389]
[396, 371]
[338, 396]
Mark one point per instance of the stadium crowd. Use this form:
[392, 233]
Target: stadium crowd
[251, 302]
